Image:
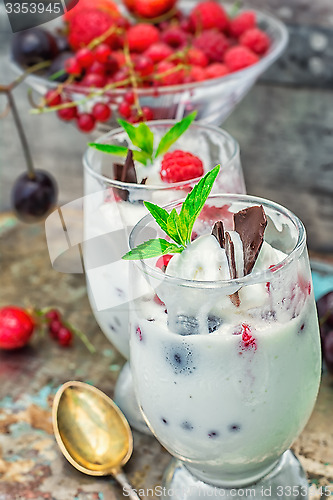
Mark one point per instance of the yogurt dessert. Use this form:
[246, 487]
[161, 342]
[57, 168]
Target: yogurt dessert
[113, 206]
[225, 349]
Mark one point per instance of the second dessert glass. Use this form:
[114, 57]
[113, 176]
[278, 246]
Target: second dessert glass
[112, 208]
[227, 388]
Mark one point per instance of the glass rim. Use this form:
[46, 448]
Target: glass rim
[250, 279]
[159, 187]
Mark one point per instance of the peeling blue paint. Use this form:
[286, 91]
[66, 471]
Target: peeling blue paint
[41, 398]
[6, 402]
[19, 428]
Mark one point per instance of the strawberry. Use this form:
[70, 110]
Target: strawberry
[16, 327]
[209, 15]
[105, 5]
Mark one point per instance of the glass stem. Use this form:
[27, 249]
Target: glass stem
[21, 133]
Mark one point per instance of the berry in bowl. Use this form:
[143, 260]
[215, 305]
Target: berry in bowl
[196, 57]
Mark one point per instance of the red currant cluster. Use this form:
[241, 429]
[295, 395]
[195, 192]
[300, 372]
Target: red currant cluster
[57, 330]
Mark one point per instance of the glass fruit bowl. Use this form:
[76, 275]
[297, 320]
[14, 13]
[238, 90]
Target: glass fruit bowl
[214, 99]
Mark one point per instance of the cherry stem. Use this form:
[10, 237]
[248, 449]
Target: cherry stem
[21, 133]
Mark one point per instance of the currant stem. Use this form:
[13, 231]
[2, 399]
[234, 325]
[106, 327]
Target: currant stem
[21, 133]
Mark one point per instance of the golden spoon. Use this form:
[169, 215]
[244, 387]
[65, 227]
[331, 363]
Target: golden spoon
[92, 433]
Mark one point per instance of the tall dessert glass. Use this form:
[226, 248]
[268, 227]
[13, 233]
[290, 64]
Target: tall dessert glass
[112, 208]
[227, 385]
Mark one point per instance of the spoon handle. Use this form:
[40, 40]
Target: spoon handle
[122, 480]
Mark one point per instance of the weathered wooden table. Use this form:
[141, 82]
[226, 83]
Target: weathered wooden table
[31, 465]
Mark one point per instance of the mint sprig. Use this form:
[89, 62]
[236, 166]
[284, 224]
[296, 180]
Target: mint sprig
[143, 138]
[177, 226]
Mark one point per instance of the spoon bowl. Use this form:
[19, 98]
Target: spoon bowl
[91, 431]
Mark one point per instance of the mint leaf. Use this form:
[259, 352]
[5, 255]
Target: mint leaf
[159, 214]
[175, 229]
[152, 248]
[195, 201]
[140, 135]
[174, 133]
[112, 149]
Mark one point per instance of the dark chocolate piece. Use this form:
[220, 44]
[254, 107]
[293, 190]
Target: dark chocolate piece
[144, 180]
[125, 173]
[230, 253]
[250, 224]
[218, 232]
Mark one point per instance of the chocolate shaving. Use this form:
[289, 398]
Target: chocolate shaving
[250, 224]
[230, 253]
[218, 232]
[125, 173]
[144, 180]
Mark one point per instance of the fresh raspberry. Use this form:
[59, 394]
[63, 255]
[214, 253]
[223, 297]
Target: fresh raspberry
[197, 57]
[174, 37]
[158, 52]
[141, 36]
[16, 327]
[138, 333]
[87, 25]
[85, 57]
[163, 261]
[208, 15]
[105, 5]
[149, 8]
[216, 70]
[213, 44]
[180, 166]
[143, 66]
[248, 341]
[239, 57]
[256, 40]
[241, 23]
[167, 74]
[52, 98]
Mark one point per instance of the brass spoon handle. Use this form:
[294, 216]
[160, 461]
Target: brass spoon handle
[122, 480]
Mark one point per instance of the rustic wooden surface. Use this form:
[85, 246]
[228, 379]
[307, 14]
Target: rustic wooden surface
[31, 465]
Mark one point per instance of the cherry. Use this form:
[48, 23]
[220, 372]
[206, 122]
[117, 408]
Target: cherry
[86, 122]
[34, 197]
[101, 112]
[64, 336]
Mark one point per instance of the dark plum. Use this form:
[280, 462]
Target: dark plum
[34, 46]
[58, 64]
[33, 198]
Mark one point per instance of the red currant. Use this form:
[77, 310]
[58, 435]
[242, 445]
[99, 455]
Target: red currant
[101, 112]
[124, 109]
[147, 114]
[72, 66]
[85, 122]
[85, 58]
[67, 114]
[52, 98]
[102, 53]
[97, 68]
[53, 315]
[64, 336]
[54, 328]
[143, 66]
[94, 80]
[129, 97]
